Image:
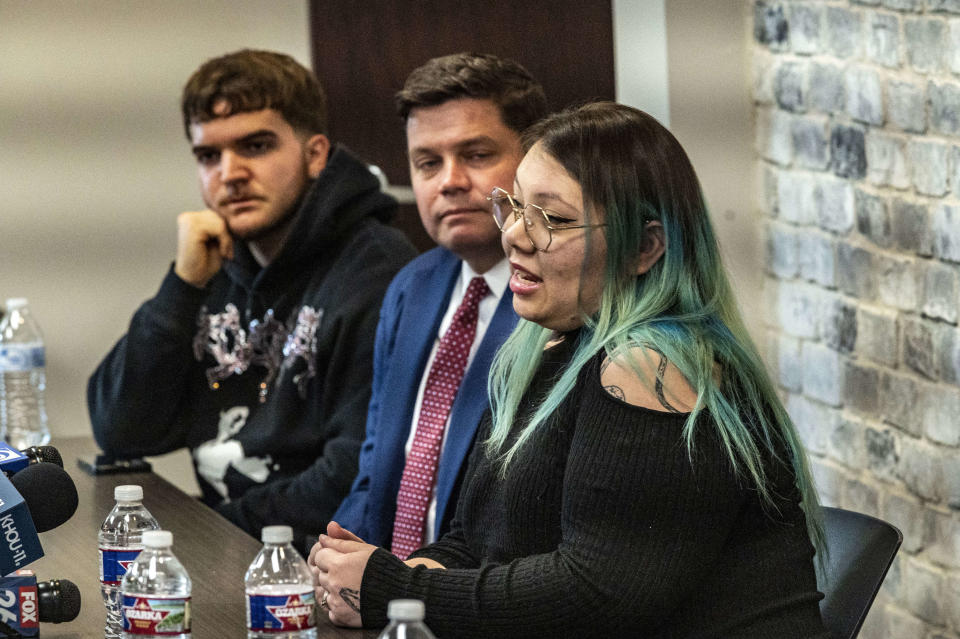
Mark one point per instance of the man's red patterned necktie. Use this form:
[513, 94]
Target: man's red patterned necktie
[443, 380]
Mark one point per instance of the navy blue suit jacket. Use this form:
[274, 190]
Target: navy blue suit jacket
[409, 321]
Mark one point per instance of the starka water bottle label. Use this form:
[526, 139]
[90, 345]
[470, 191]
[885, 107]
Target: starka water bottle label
[280, 613]
[150, 615]
[21, 357]
[114, 564]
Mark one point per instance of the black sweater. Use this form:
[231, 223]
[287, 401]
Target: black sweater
[604, 526]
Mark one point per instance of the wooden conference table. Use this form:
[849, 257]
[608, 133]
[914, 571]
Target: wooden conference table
[214, 551]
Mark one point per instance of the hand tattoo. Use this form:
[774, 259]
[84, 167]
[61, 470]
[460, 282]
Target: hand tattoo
[351, 597]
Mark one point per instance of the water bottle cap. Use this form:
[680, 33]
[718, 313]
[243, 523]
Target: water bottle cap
[130, 492]
[276, 534]
[157, 538]
[405, 610]
[16, 302]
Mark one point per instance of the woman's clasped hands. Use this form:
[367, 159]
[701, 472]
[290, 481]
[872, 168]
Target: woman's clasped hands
[337, 562]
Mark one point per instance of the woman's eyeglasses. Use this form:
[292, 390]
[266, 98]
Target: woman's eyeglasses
[538, 222]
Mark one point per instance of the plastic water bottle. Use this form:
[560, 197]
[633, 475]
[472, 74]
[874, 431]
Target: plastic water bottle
[279, 586]
[406, 620]
[156, 592]
[23, 415]
[121, 540]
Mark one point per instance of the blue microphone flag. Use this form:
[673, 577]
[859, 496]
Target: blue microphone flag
[19, 604]
[11, 459]
[19, 544]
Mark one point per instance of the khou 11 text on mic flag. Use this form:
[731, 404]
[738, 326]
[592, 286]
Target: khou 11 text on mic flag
[19, 544]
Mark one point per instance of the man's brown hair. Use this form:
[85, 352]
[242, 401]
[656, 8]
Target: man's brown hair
[250, 80]
[506, 83]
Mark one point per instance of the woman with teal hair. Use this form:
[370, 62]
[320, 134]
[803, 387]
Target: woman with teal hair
[636, 475]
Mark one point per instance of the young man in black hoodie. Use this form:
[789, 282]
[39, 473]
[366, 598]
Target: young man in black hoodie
[255, 353]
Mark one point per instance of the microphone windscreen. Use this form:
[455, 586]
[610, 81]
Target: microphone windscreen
[45, 454]
[59, 600]
[49, 492]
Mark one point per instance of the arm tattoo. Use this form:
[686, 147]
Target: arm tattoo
[606, 363]
[351, 597]
[616, 391]
[661, 369]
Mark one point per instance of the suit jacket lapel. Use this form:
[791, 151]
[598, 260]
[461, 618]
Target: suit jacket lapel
[416, 333]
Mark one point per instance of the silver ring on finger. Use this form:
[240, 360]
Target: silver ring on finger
[323, 600]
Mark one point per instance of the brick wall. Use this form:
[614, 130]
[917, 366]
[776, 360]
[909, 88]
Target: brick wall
[857, 107]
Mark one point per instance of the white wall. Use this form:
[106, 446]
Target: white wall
[711, 114]
[94, 166]
[640, 56]
[686, 62]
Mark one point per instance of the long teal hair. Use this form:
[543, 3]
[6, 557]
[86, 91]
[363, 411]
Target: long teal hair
[634, 171]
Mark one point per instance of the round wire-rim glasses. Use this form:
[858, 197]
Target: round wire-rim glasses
[537, 224]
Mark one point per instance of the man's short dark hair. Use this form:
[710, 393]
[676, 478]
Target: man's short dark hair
[250, 80]
[506, 83]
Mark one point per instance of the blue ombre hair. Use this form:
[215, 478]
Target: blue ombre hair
[633, 171]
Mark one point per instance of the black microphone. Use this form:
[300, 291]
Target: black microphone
[39, 497]
[24, 603]
[38, 454]
[13, 460]
[49, 492]
[59, 600]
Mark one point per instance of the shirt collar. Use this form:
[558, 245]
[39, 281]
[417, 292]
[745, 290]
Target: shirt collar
[496, 277]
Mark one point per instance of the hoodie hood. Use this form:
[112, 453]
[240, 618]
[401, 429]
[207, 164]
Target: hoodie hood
[340, 199]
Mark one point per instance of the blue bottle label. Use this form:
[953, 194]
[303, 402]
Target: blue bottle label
[150, 615]
[280, 613]
[114, 564]
[18, 358]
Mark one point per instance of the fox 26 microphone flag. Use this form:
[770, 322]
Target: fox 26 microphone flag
[25, 603]
[19, 544]
[19, 607]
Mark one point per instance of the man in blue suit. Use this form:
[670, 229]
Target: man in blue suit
[464, 114]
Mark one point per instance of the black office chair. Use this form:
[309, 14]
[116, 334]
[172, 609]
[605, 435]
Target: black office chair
[861, 549]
